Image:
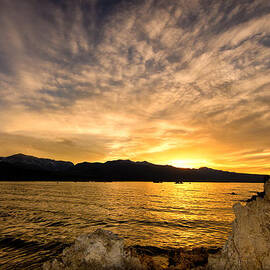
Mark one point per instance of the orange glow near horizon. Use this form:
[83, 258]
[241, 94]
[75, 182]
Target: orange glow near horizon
[144, 82]
[189, 163]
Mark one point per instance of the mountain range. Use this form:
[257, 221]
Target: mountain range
[22, 167]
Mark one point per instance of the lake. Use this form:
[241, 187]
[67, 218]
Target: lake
[37, 219]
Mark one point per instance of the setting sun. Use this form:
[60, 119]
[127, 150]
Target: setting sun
[189, 163]
[106, 80]
[133, 133]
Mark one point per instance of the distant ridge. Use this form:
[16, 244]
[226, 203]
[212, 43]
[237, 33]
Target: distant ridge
[20, 167]
[37, 163]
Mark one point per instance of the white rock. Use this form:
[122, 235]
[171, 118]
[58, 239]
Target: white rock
[99, 250]
[248, 246]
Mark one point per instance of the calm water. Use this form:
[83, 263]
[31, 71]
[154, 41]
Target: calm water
[38, 218]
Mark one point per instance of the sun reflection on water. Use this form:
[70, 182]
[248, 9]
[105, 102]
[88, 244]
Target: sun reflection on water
[162, 215]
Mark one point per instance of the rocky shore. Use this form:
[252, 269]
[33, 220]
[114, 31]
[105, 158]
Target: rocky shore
[248, 245]
[105, 250]
[247, 248]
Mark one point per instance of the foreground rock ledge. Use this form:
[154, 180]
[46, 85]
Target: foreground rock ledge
[104, 250]
[248, 245]
[99, 250]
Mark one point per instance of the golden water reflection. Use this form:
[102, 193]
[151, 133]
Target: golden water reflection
[164, 214]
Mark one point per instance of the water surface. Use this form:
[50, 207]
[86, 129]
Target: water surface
[38, 218]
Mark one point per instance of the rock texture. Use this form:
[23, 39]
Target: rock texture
[96, 251]
[248, 246]
[104, 250]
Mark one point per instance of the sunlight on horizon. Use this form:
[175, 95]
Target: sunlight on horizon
[184, 83]
[189, 163]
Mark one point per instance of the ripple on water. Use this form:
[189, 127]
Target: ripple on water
[38, 219]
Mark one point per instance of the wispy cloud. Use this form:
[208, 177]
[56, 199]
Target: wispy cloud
[157, 80]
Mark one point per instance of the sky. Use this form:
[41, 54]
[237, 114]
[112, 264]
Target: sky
[181, 82]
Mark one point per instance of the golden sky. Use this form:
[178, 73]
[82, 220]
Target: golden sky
[171, 82]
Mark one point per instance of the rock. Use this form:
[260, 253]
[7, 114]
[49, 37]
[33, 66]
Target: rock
[98, 250]
[248, 245]
[267, 189]
[102, 250]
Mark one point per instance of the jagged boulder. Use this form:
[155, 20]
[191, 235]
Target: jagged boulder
[102, 250]
[96, 251]
[248, 245]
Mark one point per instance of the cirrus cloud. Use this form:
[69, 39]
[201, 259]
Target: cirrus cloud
[157, 80]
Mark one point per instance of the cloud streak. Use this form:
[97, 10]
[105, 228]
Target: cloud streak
[157, 80]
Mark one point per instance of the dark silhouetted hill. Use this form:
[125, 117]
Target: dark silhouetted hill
[21, 167]
[25, 161]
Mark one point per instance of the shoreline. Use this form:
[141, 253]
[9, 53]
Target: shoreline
[162, 257]
[194, 252]
[128, 181]
[103, 249]
[247, 247]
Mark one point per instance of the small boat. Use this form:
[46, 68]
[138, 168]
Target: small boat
[157, 181]
[178, 182]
